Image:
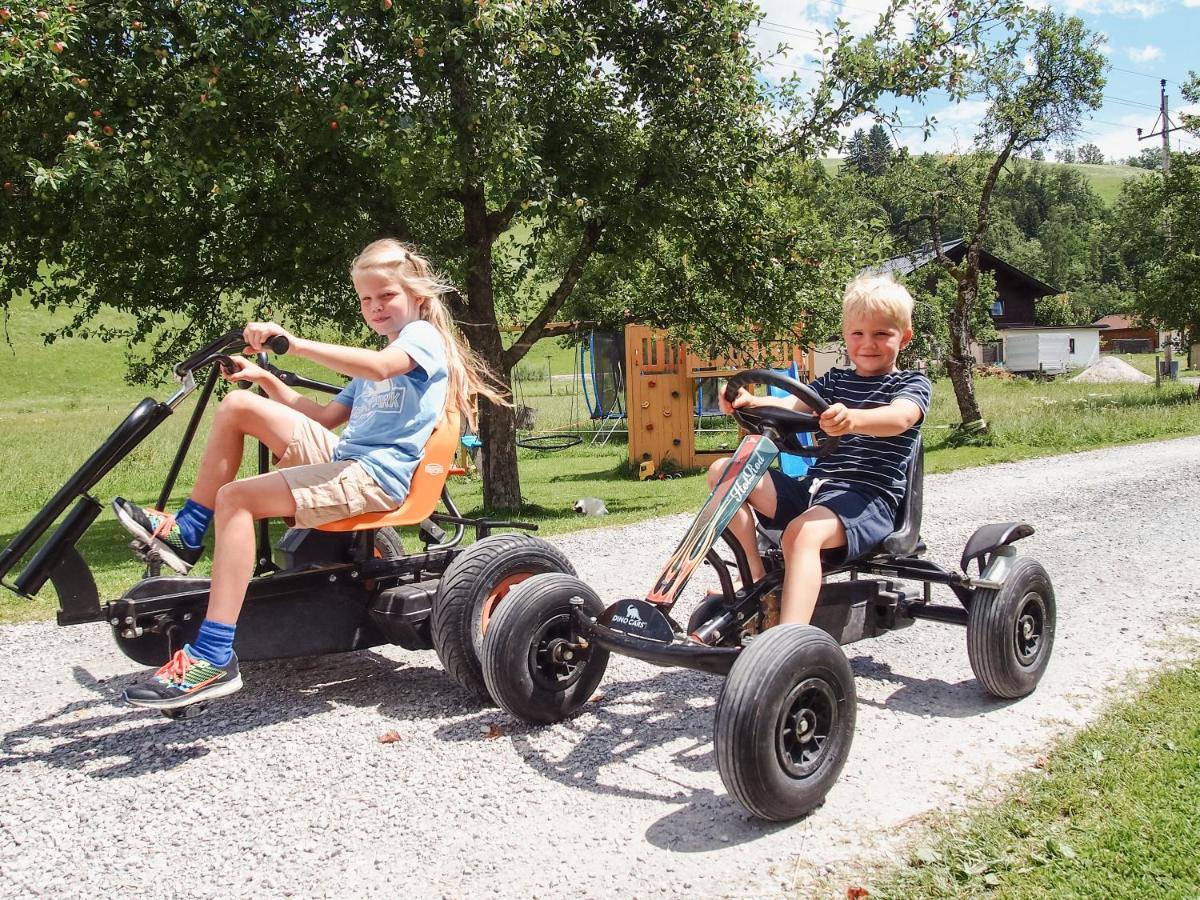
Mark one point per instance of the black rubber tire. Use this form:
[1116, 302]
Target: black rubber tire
[388, 544]
[457, 618]
[787, 674]
[515, 668]
[704, 611]
[1010, 632]
[148, 649]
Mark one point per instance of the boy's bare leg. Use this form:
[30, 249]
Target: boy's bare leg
[803, 540]
[241, 413]
[238, 504]
[741, 526]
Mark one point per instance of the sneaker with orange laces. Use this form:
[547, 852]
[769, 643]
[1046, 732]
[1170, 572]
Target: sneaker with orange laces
[184, 680]
[157, 529]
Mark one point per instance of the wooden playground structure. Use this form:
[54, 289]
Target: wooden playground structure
[661, 380]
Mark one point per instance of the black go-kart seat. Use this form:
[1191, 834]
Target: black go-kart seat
[905, 540]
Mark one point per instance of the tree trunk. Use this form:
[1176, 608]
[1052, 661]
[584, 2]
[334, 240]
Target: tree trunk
[960, 361]
[501, 479]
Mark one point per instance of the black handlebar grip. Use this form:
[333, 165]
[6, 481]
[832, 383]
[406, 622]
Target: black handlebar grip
[279, 344]
[227, 367]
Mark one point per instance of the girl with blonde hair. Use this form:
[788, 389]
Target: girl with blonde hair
[395, 399]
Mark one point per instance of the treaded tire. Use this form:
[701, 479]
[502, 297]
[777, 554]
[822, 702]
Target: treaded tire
[1010, 632]
[785, 722]
[707, 608]
[471, 590]
[519, 666]
[388, 544]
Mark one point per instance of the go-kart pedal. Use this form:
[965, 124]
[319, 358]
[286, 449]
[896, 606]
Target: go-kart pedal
[195, 711]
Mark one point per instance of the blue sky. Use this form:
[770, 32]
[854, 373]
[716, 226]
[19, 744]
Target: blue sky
[1146, 40]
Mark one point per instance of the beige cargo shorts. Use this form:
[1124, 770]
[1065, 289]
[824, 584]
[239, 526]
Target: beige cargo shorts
[326, 490]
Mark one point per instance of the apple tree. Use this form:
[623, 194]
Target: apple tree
[181, 161]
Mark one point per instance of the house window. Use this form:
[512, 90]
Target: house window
[1071, 348]
[997, 307]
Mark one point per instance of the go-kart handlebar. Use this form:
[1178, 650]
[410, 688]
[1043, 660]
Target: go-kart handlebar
[785, 424]
[213, 351]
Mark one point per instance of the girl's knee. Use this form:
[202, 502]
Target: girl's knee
[230, 497]
[236, 403]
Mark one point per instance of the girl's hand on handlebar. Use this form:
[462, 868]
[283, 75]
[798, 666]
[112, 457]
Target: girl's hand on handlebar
[837, 420]
[244, 370]
[257, 334]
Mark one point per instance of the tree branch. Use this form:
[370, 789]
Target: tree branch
[497, 220]
[533, 331]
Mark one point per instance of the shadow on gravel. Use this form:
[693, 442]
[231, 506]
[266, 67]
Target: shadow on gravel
[591, 750]
[102, 737]
[625, 720]
[926, 696]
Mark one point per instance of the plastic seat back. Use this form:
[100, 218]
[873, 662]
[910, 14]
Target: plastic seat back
[425, 489]
[906, 537]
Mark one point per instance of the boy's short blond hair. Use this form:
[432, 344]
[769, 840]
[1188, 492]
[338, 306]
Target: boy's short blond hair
[878, 295]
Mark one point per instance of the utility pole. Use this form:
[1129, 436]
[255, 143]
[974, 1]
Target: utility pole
[1165, 126]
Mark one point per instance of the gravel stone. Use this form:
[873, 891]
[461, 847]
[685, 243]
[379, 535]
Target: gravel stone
[284, 789]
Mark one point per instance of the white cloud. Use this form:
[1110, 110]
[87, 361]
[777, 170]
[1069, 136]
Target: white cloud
[1143, 8]
[797, 24]
[1191, 2]
[1145, 54]
[1116, 134]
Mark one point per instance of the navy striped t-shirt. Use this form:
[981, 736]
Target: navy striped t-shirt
[878, 462]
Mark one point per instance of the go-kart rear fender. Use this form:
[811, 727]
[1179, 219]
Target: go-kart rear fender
[988, 538]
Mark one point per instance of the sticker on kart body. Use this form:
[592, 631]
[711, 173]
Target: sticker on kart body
[639, 619]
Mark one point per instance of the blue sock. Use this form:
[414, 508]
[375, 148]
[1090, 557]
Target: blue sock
[193, 521]
[214, 642]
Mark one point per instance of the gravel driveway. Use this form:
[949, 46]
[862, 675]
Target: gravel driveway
[285, 788]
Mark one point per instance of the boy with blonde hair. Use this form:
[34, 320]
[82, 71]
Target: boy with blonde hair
[850, 498]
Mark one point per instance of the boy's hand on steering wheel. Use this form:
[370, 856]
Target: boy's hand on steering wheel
[244, 370]
[837, 420]
[258, 333]
[742, 399]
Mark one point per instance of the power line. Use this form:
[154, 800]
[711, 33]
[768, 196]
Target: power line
[1132, 72]
[1129, 102]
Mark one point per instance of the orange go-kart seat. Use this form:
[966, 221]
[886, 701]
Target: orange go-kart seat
[425, 489]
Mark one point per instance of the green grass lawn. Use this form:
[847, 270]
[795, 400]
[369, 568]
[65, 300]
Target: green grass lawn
[59, 402]
[1115, 813]
[1144, 362]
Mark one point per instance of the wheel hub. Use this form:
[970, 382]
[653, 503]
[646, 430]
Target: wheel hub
[556, 661]
[1030, 627]
[809, 716]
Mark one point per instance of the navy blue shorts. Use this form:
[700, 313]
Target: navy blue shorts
[868, 516]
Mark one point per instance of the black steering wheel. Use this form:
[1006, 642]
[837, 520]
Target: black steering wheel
[786, 425]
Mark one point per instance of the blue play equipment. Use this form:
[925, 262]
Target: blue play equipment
[600, 358]
[793, 466]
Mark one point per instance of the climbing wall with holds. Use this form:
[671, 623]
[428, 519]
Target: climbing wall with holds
[660, 385]
[659, 397]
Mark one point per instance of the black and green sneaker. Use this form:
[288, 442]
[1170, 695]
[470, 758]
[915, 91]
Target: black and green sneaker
[153, 528]
[184, 680]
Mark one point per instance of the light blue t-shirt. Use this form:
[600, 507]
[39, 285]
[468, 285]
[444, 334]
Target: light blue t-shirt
[391, 420]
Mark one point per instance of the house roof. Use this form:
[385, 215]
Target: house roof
[1083, 327]
[956, 249]
[1115, 321]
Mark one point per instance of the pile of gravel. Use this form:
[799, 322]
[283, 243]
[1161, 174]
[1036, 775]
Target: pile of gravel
[1110, 369]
